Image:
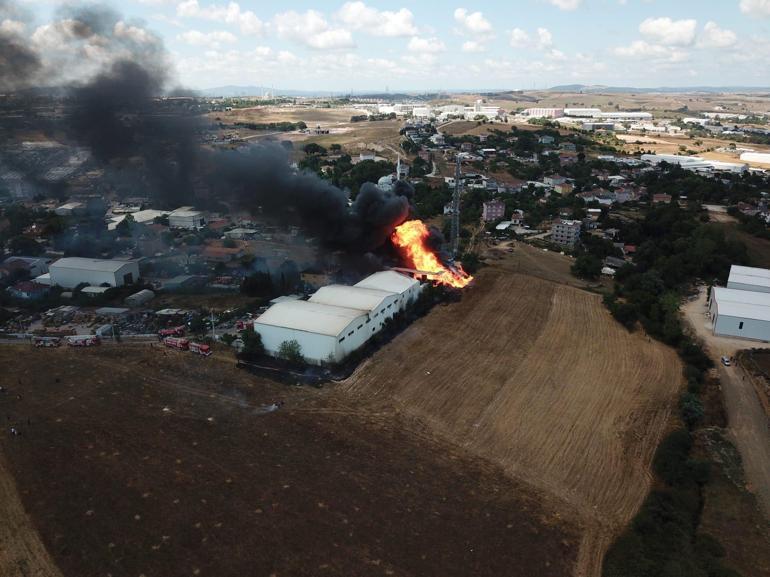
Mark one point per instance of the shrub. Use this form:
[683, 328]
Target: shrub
[291, 351]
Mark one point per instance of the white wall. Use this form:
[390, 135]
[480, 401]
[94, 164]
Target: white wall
[72, 277]
[752, 329]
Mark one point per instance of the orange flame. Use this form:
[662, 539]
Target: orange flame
[410, 238]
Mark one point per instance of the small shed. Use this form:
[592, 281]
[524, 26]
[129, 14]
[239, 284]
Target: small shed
[139, 298]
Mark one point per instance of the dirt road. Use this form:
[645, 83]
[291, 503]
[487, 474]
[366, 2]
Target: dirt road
[749, 431]
[747, 421]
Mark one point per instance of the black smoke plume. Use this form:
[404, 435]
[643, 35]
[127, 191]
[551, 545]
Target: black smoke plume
[117, 114]
[260, 177]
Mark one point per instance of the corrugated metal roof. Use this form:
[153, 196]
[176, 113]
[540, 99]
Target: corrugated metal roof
[749, 275]
[355, 297]
[727, 295]
[92, 264]
[310, 317]
[388, 280]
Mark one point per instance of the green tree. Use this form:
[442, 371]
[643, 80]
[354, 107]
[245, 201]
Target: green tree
[587, 266]
[252, 344]
[291, 351]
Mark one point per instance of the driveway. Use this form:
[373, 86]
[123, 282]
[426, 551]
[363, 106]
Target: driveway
[747, 422]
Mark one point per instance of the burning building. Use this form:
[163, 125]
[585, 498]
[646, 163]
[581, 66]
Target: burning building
[336, 320]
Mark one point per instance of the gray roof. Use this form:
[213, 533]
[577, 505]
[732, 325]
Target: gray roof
[355, 297]
[388, 280]
[310, 317]
[91, 264]
[749, 275]
[742, 303]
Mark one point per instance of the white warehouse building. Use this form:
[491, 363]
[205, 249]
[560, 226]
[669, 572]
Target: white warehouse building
[186, 217]
[73, 271]
[746, 278]
[337, 319]
[740, 313]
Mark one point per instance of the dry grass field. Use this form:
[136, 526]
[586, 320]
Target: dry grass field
[137, 460]
[537, 377]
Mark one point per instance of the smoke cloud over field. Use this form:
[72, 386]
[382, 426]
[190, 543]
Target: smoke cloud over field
[114, 70]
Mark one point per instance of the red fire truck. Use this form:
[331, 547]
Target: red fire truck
[200, 349]
[172, 332]
[177, 343]
[84, 341]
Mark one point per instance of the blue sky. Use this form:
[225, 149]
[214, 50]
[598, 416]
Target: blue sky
[410, 45]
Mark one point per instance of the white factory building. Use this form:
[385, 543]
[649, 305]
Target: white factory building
[73, 271]
[186, 217]
[757, 157]
[337, 319]
[695, 163]
[543, 112]
[743, 308]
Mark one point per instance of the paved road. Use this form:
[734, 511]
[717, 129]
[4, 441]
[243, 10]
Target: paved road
[747, 422]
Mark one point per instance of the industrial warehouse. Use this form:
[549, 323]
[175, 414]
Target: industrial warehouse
[337, 319]
[73, 271]
[742, 309]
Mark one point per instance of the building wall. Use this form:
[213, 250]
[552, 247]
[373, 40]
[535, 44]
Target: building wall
[748, 287]
[752, 328]
[189, 222]
[318, 348]
[72, 277]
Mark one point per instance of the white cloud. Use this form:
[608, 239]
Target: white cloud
[246, 20]
[9, 26]
[210, 39]
[426, 45]
[133, 33]
[311, 29]
[641, 49]
[566, 4]
[519, 38]
[472, 46]
[473, 23]
[756, 7]
[715, 37]
[544, 38]
[359, 16]
[669, 32]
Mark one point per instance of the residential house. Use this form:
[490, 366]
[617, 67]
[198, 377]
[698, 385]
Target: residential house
[493, 210]
[565, 232]
[517, 218]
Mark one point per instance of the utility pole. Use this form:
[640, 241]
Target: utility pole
[213, 330]
[455, 240]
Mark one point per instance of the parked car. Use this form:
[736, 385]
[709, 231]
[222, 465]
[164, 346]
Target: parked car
[726, 361]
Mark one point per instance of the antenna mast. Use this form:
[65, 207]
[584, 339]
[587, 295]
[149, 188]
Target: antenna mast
[456, 210]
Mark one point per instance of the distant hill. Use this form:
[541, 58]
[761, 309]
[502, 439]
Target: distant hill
[236, 91]
[593, 89]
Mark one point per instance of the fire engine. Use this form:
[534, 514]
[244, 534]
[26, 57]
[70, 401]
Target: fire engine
[172, 332]
[83, 341]
[177, 343]
[46, 341]
[200, 349]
